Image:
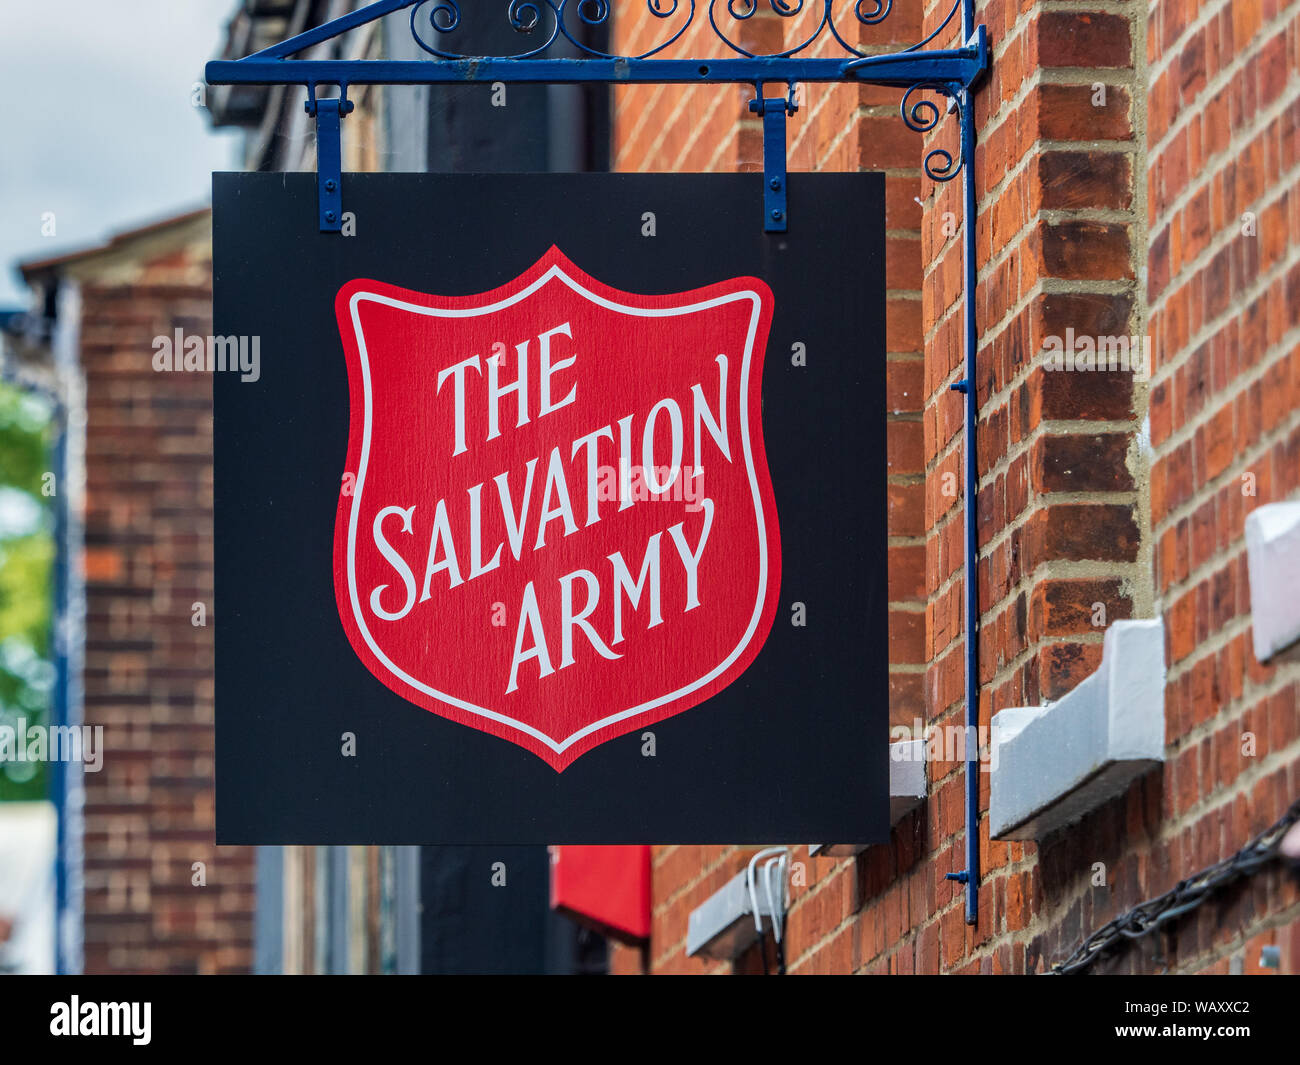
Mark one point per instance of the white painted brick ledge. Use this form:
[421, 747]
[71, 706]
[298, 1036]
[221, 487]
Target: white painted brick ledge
[1055, 763]
[1273, 559]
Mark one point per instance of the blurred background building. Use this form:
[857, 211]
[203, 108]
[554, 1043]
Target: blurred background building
[1138, 174]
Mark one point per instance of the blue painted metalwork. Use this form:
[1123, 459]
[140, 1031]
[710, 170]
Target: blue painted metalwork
[774, 110]
[923, 115]
[329, 158]
[955, 66]
[949, 73]
[969, 517]
[527, 17]
[945, 71]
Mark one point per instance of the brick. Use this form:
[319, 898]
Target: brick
[1067, 113]
[1085, 250]
[1078, 462]
[1073, 180]
[1106, 531]
[1071, 606]
[1083, 39]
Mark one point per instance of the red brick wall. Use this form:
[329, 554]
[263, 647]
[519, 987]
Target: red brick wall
[148, 670]
[1222, 289]
[1115, 158]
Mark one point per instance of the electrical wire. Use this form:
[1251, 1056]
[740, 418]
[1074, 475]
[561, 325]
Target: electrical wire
[773, 871]
[1187, 895]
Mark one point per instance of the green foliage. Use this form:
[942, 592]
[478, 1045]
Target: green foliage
[25, 437]
[26, 578]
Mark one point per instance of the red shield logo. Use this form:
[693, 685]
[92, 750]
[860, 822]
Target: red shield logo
[557, 524]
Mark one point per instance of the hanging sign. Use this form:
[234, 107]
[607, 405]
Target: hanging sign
[554, 512]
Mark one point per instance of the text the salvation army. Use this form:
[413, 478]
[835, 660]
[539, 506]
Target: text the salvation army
[554, 495]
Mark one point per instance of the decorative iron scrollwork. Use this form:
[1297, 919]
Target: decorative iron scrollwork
[923, 114]
[549, 19]
[526, 17]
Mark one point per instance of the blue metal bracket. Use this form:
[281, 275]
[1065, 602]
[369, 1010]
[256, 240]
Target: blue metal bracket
[948, 73]
[329, 158]
[775, 211]
[900, 70]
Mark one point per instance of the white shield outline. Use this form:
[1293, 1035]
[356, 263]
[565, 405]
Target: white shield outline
[556, 271]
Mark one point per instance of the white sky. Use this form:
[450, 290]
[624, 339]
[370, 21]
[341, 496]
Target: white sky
[98, 125]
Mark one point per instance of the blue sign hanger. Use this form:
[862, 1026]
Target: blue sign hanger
[949, 73]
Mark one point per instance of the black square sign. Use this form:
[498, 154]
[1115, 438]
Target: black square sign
[550, 508]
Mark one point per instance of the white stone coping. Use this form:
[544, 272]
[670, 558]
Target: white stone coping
[1055, 763]
[1273, 560]
[722, 926]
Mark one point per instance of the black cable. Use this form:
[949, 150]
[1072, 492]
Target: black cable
[1186, 896]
